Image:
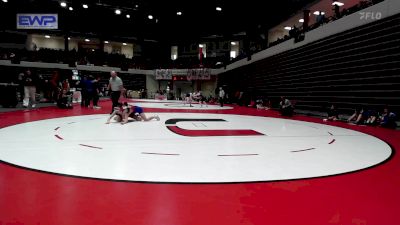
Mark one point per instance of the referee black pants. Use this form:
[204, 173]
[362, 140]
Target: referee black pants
[115, 98]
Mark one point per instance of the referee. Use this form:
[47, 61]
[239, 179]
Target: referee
[115, 86]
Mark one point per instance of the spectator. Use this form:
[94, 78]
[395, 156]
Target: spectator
[359, 116]
[286, 107]
[387, 119]
[65, 100]
[333, 114]
[82, 86]
[54, 90]
[96, 94]
[29, 81]
[372, 116]
[221, 96]
[90, 90]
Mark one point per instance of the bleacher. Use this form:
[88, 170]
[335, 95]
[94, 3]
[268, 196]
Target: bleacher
[358, 67]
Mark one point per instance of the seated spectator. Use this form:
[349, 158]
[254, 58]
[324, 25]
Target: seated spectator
[65, 100]
[387, 119]
[357, 116]
[252, 104]
[286, 107]
[372, 116]
[260, 103]
[333, 114]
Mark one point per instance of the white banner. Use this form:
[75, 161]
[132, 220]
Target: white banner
[199, 74]
[37, 21]
[163, 74]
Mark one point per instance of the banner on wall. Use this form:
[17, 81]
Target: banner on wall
[163, 74]
[199, 74]
[37, 21]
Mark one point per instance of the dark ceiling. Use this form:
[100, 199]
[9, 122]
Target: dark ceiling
[199, 19]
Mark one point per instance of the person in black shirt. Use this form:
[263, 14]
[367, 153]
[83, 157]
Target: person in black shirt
[333, 114]
[96, 94]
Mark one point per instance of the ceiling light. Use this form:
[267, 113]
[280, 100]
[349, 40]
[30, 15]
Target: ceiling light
[288, 28]
[218, 9]
[128, 16]
[87, 40]
[179, 13]
[124, 43]
[200, 45]
[117, 11]
[338, 3]
[47, 36]
[69, 38]
[150, 17]
[5, 1]
[70, 8]
[85, 6]
[106, 42]
[233, 43]
[318, 12]
[301, 20]
[62, 4]
[137, 6]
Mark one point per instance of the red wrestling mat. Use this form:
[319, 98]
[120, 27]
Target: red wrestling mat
[34, 198]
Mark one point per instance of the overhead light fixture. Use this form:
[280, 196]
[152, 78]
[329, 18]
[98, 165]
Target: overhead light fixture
[338, 3]
[47, 36]
[301, 20]
[85, 6]
[124, 43]
[117, 11]
[136, 6]
[5, 1]
[70, 8]
[318, 12]
[69, 38]
[233, 43]
[200, 45]
[128, 16]
[87, 40]
[106, 42]
[218, 8]
[150, 17]
[179, 13]
[288, 28]
[62, 4]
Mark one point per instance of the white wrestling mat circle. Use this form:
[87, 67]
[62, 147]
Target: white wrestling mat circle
[190, 148]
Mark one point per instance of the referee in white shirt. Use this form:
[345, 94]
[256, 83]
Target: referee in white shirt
[115, 86]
